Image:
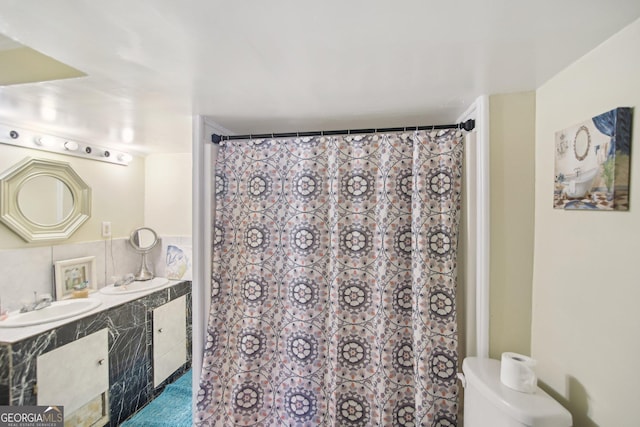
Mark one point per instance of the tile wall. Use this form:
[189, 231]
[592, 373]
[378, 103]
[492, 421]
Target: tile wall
[24, 271]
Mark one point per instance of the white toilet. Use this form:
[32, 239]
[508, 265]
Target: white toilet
[489, 403]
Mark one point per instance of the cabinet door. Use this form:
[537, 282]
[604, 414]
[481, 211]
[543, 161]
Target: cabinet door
[74, 374]
[169, 338]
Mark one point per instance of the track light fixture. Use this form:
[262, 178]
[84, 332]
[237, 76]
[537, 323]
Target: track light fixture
[12, 135]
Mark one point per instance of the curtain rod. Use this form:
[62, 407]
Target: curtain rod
[469, 125]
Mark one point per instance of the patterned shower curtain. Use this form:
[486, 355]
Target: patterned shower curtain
[333, 282]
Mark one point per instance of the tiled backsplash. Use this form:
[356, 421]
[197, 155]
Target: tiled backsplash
[23, 271]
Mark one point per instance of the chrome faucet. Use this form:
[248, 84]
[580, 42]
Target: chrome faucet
[126, 280]
[578, 172]
[37, 304]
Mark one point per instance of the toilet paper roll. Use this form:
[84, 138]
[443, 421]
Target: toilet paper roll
[518, 372]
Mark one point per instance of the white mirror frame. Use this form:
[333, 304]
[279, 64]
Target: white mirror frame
[12, 180]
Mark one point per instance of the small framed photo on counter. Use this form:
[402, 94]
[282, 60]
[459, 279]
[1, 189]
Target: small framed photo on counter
[75, 274]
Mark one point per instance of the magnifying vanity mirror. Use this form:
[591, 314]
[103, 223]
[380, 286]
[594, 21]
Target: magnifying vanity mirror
[143, 239]
[42, 200]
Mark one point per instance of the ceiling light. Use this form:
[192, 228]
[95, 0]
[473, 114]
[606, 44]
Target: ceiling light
[124, 157]
[70, 145]
[44, 141]
[57, 144]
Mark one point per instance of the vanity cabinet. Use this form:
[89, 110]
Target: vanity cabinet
[76, 376]
[169, 339]
[128, 328]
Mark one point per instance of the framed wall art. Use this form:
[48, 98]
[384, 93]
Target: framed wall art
[72, 273]
[592, 163]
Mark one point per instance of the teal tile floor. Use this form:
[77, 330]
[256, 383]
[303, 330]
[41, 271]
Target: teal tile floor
[172, 408]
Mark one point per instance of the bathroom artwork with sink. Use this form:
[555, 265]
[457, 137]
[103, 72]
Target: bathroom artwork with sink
[592, 163]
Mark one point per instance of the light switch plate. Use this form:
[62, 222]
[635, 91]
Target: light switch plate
[106, 229]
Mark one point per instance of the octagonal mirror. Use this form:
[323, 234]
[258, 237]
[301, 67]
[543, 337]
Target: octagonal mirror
[43, 200]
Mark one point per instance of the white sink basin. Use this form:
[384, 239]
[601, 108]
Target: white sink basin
[137, 286]
[58, 310]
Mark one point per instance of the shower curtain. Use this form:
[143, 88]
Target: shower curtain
[333, 282]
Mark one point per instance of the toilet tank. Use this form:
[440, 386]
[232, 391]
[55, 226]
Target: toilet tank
[489, 403]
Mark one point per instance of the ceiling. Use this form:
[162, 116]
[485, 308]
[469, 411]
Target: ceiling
[285, 65]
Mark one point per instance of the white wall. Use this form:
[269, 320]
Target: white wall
[168, 193]
[512, 217]
[586, 287]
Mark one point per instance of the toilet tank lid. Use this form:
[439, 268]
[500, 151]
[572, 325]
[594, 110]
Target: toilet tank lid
[536, 410]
